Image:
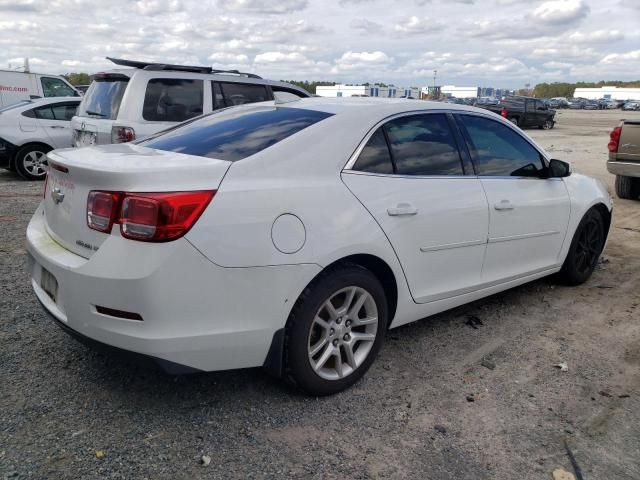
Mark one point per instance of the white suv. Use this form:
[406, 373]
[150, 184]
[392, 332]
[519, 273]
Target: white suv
[132, 103]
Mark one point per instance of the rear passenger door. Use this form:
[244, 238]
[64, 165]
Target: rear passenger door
[529, 213]
[411, 176]
[55, 121]
[229, 94]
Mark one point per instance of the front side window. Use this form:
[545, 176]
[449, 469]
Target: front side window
[54, 87]
[500, 151]
[423, 145]
[172, 100]
[375, 156]
[233, 135]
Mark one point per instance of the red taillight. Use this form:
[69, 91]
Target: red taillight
[150, 217]
[503, 112]
[122, 134]
[101, 210]
[615, 138]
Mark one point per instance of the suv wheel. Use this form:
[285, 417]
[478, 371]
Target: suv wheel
[547, 125]
[585, 249]
[31, 161]
[627, 187]
[514, 120]
[335, 330]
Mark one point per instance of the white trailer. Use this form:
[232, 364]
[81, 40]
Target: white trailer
[608, 92]
[17, 86]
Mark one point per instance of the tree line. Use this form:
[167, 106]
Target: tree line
[563, 89]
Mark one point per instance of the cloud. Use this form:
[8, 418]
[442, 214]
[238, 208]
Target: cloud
[416, 25]
[156, 7]
[633, 56]
[263, 6]
[561, 12]
[598, 36]
[18, 5]
[365, 26]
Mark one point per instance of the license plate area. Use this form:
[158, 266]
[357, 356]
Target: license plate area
[49, 284]
[85, 139]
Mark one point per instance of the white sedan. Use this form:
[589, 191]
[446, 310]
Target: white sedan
[293, 237]
[31, 128]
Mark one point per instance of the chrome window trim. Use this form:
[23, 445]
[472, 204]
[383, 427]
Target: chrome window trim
[348, 168]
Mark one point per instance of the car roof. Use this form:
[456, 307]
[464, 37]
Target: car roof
[369, 105]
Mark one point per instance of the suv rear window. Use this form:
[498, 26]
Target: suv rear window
[234, 136]
[103, 97]
[227, 94]
[172, 100]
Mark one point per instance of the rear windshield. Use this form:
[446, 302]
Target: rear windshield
[103, 98]
[233, 136]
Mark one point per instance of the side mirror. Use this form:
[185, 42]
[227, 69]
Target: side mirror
[559, 169]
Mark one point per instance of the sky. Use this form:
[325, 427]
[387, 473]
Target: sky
[501, 43]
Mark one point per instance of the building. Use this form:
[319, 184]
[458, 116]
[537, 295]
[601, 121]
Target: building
[366, 91]
[610, 93]
[460, 92]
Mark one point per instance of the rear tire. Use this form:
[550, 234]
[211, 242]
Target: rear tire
[514, 120]
[335, 330]
[627, 187]
[31, 160]
[585, 249]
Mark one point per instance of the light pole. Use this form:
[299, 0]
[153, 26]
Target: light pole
[435, 75]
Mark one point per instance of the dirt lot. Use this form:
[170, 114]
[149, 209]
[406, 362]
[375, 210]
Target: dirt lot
[61, 403]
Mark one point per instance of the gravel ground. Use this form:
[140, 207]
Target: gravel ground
[68, 412]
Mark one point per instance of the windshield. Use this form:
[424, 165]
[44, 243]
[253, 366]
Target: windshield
[103, 98]
[15, 105]
[235, 135]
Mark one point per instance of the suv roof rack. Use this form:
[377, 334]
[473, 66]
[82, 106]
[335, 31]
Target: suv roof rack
[176, 68]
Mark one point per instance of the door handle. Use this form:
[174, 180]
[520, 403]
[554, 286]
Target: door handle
[55, 126]
[402, 209]
[503, 205]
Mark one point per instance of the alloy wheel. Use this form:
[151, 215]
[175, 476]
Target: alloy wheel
[342, 333]
[589, 246]
[34, 163]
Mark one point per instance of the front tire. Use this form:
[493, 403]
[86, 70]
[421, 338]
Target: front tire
[335, 330]
[31, 160]
[627, 187]
[547, 125]
[585, 249]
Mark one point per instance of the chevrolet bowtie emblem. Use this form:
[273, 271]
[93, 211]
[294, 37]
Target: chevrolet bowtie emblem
[57, 195]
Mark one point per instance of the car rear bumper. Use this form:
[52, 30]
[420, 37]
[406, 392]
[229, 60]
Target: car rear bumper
[192, 313]
[627, 169]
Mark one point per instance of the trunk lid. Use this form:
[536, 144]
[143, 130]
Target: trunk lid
[73, 173]
[629, 145]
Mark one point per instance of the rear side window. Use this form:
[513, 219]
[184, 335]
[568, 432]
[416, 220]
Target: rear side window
[103, 97]
[235, 135]
[423, 145]
[229, 94]
[172, 100]
[500, 151]
[64, 111]
[375, 157]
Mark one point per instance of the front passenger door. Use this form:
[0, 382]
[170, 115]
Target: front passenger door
[410, 177]
[528, 213]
